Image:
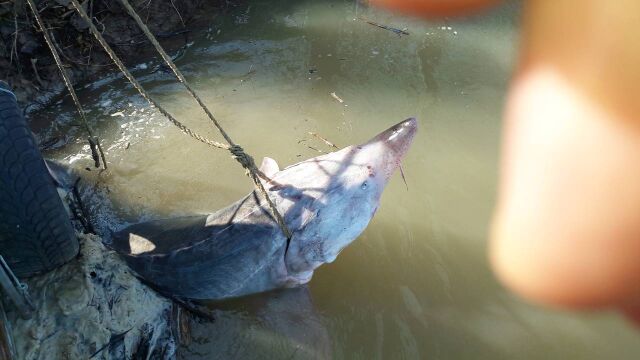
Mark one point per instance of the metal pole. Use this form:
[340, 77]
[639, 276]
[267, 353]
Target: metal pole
[15, 290]
[7, 348]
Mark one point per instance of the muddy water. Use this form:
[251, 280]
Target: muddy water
[416, 284]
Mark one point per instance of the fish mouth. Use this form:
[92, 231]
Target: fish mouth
[398, 138]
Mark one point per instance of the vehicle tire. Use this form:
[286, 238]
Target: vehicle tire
[36, 234]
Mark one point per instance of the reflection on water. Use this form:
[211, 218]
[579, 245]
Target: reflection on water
[416, 284]
[281, 325]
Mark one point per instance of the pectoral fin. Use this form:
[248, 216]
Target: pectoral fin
[269, 166]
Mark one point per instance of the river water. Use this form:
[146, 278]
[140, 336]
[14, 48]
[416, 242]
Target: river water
[416, 284]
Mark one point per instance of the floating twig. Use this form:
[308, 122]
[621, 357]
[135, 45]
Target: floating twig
[333, 95]
[310, 147]
[323, 139]
[397, 31]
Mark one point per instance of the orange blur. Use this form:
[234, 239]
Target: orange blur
[434, 8]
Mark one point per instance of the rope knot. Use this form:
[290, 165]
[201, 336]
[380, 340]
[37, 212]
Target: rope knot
[242, 157]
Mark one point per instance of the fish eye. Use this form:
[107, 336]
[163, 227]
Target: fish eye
[364, 186]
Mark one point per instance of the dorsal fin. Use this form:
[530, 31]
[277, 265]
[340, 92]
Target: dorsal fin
[269, 166]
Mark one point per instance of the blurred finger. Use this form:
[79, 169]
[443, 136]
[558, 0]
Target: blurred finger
[431, 8]
[567, 226]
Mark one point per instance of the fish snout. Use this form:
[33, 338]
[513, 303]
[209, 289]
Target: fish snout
[398, 138]
[385, 151]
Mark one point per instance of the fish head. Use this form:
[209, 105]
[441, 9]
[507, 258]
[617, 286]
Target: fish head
[383, 154]
[338, 194]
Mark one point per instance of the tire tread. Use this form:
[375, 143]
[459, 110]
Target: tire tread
[36, 234]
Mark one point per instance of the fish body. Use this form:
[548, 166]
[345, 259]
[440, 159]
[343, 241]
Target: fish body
[326, 202]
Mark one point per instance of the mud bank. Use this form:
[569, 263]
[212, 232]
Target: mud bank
[93, 307]
[26, 62]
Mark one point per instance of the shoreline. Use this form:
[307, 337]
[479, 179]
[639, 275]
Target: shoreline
[94, 305]
[30, 69]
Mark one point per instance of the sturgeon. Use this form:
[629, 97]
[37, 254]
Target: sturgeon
[326, 202]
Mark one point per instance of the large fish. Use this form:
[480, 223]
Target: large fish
[326, 202]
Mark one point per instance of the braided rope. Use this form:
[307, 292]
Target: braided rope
[137, 85]
[93, 140]
[174, 68]
[236, 151]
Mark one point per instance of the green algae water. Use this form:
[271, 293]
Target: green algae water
[416, 284]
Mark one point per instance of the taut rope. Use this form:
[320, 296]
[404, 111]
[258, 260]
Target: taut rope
[236, 150]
